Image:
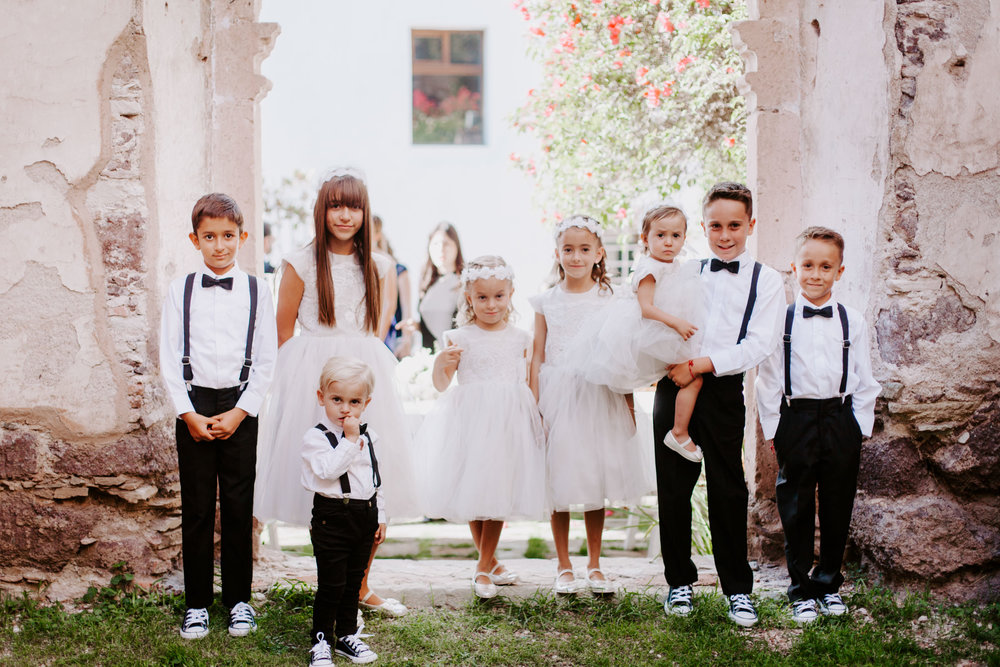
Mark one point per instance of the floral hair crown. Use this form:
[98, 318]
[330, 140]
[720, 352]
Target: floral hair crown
[342, 172]
[470, 274]
[581, 221]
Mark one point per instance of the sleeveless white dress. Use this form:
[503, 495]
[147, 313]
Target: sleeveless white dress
[594, 452]
[291, 408]
[629, 351]
[481, 449]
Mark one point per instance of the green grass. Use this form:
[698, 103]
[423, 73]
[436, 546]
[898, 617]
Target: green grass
[537, 548]
[122, 628]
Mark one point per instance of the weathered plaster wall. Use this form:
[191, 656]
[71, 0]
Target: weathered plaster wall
[108, 149]
[881, 120]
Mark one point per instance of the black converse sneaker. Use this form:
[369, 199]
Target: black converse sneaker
[195, 625]
[678, 601]
[804, 611]
[741, 610]
[319, 654]
[832, 604]
[355, 650]
[242, 620]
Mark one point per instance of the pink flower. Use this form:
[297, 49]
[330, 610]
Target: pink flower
[549, 109]
[640, 75]
[557, 216]
[525, 14]
[596, 87]
[654, 2]
[589, 174]
[703, 4]
[537, 31]
[663, 23]
[531, 91]
[683, 63]
[514, 157]
[617, 64]
[582, 140]
[729, 70]
[730, 141]
[624, 53]
[622, 213]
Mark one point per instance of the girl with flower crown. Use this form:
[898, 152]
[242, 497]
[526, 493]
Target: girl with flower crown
[594, 452]
[481, 447]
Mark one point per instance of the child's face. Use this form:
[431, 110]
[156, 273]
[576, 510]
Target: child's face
[665, 237]
[218, 239]
[490, 299]
[727, 226]
[343, 399]
[817, 266]
[577, 251]
[343, 222]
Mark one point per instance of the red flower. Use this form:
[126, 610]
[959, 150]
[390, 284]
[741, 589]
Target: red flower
[640, 75]
[703, 4]
[663, 23]
[537, 31]
[730, 141]
[683, 63]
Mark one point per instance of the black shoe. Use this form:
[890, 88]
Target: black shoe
[741, 610]
[678, 601]
[195, 624]
[355, 650]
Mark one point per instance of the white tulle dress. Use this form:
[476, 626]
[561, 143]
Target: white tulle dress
[481, 448]
[629, 351]
[291, 407]
[594, 453]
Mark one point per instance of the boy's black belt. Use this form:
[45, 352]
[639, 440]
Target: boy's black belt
[817, 404]
[320, 500]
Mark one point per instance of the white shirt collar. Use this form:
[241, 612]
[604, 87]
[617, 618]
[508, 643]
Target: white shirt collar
[234, 270]
[801, 301]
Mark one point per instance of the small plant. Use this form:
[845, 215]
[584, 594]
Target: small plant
[537, 548]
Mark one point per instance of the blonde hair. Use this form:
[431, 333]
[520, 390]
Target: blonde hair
[346, 369]
[482, 265]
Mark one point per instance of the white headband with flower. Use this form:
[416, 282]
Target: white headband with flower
[581, 221]
[470, 274]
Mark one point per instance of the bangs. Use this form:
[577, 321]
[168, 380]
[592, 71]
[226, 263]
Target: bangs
[347, 191]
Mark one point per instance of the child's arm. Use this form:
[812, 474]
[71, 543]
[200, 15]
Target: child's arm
[326, 462]
[863, 398]
[406, 306]
[768, 387]
[537, 354]
[389, 292]
[264, 352]
[289, 297]
[445, 365]
[644, 293]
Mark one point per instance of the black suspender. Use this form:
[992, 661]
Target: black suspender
[787, 341]
[345, 483]
[186, 358]
[751, 299]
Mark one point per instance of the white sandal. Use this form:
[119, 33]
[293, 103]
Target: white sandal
[504, 578]
[388, 606]
[600, 586]
[566, 587]
[670, 441]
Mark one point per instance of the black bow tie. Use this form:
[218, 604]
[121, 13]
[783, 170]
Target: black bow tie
[825, 311]
[209, 281]
[718, 265]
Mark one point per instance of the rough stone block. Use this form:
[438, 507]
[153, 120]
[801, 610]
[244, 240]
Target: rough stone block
[18, 455]
[893, 467]
[36, 533]
[143, 453]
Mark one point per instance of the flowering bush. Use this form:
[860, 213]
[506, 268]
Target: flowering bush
[639, 97]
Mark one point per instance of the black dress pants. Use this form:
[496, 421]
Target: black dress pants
[342, 536]
[818, 446]
[717, 427]
[229, 466]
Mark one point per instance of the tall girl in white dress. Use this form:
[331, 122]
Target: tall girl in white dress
[593, 450]
[342, 294]
[481, 446]
[640, 337]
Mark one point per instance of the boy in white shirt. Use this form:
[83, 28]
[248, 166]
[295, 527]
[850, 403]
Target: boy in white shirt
[340, 467]
[218, 343]
[816, 399]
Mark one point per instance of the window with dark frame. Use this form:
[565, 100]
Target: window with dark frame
[447, 86]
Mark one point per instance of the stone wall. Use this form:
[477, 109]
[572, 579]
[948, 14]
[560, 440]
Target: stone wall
[113, 142]
[881, 120]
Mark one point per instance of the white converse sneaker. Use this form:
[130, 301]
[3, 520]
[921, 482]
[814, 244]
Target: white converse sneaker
[804, 611]
[678, 602]
[741, 610]
[355, 650]
[242, 620]
[195, 624]
[832, 604]
[319, 654]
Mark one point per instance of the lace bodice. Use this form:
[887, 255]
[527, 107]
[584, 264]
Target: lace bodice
[565, 312]
[348, 291]
[491, 356]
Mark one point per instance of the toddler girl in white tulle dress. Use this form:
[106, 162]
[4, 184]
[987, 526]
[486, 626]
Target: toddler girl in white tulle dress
[639, 338]
[482, 451]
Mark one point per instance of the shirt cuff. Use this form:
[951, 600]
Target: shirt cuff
[769, 427]
[724, 364]
[250, 403]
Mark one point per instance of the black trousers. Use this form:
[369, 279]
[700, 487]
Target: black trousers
[818, 445]
[717, 427]
[229, 466]
[342, 536]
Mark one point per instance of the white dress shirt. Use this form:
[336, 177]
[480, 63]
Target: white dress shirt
[322, 465]
[725, 301]
[219, 322]
[817, 367]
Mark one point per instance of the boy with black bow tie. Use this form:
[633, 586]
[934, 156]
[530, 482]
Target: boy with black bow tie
[816, 398]
[218, 343]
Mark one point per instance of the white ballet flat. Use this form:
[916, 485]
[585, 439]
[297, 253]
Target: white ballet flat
[484, 591]
[388, 606]
[600, 586]
[566, 587]
[670, 441]
[504, 578]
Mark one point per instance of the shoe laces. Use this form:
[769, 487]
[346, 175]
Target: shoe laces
[832, 598]
[741, 602]
[242, 613]
[321, 649]
[804, 605]
[355, 643]
[196, 617]
[680, 595]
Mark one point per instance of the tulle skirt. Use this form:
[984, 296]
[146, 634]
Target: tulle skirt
[595, 454]
[482, 456]
[291, 409]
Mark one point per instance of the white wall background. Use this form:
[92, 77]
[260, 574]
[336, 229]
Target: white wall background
[342, 90]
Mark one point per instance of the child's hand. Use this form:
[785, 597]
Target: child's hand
[352, 429]
[450, 357]
[227, 423]
[680, 374]
[199, 426]
[380, 534]
[685, 329]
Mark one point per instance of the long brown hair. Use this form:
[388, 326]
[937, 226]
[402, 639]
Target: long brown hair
[599, 272]
[346, 190]
[431, 274]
